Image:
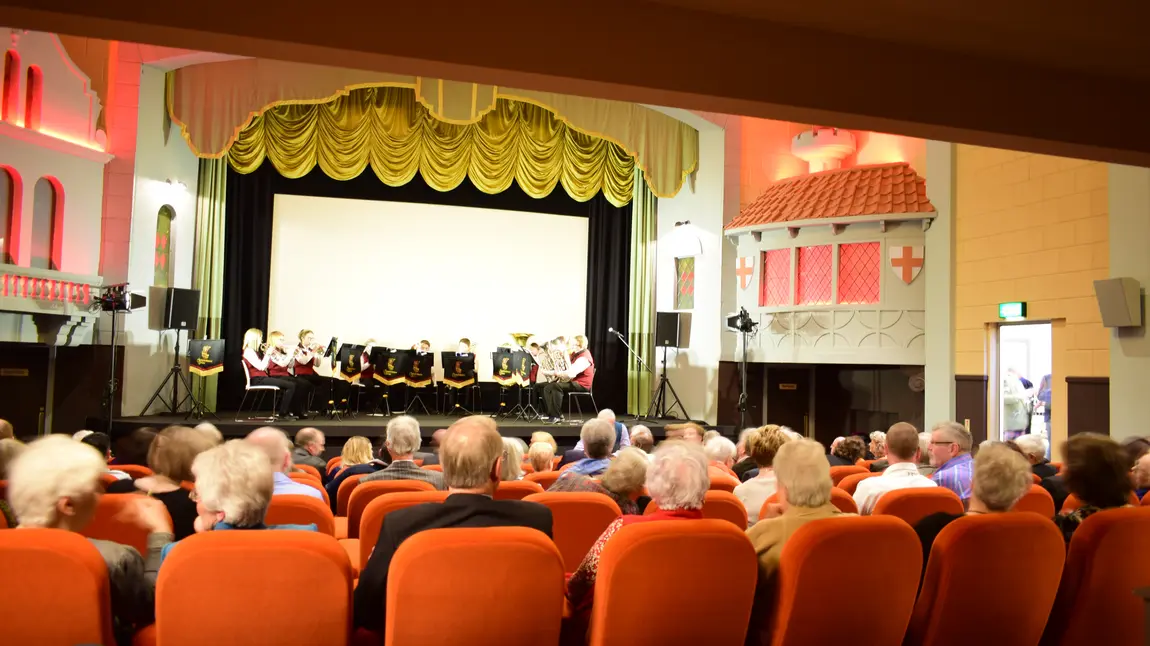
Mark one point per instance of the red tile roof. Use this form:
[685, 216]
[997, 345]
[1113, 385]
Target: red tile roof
[845, 192]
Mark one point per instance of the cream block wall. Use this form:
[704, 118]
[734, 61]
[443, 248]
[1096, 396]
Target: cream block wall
[1031, 228]
[159, 156]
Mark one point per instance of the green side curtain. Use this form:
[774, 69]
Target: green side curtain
[641, 315]
[208, 264]
[388, 128]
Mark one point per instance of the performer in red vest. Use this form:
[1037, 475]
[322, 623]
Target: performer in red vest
[307, 357]
[578, 377]
[257, 366]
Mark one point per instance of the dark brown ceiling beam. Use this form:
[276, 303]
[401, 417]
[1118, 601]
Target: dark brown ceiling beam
[654, 54]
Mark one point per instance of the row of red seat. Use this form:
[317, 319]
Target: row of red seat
[996, 579]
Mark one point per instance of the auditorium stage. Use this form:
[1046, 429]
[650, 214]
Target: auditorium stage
[373, 426]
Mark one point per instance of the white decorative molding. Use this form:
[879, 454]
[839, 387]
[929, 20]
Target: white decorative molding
[840, 335]
[54, 142]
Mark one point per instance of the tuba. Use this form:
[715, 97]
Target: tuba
[521, 338]
[558, 360]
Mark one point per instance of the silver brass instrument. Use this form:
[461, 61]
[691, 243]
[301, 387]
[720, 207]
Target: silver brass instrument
[557, 357]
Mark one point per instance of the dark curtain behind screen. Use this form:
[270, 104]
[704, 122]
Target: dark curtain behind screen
[247, 260]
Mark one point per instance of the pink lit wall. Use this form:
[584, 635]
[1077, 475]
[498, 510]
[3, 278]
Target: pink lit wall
[881, 148]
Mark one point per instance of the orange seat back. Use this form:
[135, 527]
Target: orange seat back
[519, 569]
[57, 589]
[107, 479]
[134, 470]
[543, 478]
[724, 505]
[838, 473]
[378, 509]
[109, 523]
[1037, 500]
[634, 565]
[578, 519]
[1035, 478]
[1006, 599]
[369, 491]
[218, 583]
[723, 483]
[333, 463]
[1072, 502]
[851, 482]
[343, 494]
[912, 505]
[1146, 499]
[1106, 562]
[313, 482]
[526, 467]
[843, 501]
[3, 521]
[808, 569]
[433, 467]
[289, 509]
[517, 489]
[309, 469]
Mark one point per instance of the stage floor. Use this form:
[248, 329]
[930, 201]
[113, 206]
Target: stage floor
[373, 427]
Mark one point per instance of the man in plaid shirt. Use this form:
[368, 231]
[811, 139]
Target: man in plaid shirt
[950, 454]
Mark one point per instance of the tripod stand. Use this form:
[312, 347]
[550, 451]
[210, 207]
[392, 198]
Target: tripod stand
[176, 376]
[659, 408]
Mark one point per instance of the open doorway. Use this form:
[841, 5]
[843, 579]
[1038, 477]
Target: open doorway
[1024, 369]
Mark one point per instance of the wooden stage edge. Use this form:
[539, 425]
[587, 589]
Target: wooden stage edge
[372, 427]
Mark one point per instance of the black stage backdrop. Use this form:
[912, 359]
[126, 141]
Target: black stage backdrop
[247, 261]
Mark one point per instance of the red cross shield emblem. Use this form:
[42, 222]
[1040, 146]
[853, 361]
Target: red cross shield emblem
[906, 262]
[745, 271]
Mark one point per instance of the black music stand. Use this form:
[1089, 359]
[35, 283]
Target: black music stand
[205, 358]
[350, 365]
[459, 373]
[418, 376]
[386, 372]
[503, 372]
[331, 353]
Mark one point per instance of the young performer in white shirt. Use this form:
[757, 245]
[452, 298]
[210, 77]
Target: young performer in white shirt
[257, 365]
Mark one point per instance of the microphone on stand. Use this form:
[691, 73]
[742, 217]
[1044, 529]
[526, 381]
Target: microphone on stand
[615, 332]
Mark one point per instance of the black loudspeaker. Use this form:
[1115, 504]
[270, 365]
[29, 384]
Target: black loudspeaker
[173, 308]
[673, 330]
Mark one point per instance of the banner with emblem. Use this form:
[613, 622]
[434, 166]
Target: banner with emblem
[205, 356]
[350, 362]
[502, 368]
[458, 370]
[523, 362]
[418, 373]
[905, 261]
[389, 365]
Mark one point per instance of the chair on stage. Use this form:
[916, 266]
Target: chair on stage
[413, 395]
[572, 401]
[257, 397]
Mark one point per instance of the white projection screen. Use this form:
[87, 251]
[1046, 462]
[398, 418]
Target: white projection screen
[399, 272]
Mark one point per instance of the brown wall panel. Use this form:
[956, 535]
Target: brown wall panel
[970, 404]
[1087, 405]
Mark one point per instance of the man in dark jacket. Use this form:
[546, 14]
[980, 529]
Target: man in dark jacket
[309, 446]
[471, 455]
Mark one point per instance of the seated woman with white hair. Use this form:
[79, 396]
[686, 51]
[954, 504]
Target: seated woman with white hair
[1034, 448]
[622, 481]
[55, 484]
[541, 457]
[721, 454]
[512, 468]
[677, 481]
[234, 486]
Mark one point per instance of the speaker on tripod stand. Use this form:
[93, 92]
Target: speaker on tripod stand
[173, 308]
[672, 330]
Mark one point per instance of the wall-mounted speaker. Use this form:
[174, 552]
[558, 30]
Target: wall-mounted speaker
[173, 308]
[673, 330]
[1119, 301]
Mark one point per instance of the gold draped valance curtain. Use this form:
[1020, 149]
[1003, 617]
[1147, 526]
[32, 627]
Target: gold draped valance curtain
[388, 129]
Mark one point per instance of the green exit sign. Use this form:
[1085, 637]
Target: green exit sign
[1011, 311]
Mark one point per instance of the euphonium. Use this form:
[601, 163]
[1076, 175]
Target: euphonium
[521, 338]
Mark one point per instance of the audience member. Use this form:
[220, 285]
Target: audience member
[622, 437]
[546, 438]
[598, 440]
[471, 454]
[401, 443]
[103, 444]
[1140, 475]
[877, 445]
[211, 431]
[437, 441]
[721, 453]
[848, 452]
[901, 442]
[356, 459]
[309, 447]
[924, 466]
[1033, 448]
[743, 461]
[762, 445]
[686, 431]
[1135, 448]
[276, 446]
[541, 457]
[55, 483]
[1097, 472]
[512, 459]
[622, 481]
[9, 449]
[677, 481]
[950, 455]
[1000, 478]
[643, 439]
[234, 486]
[170, 458]
[134, 447]
[710, 435]
[6, 430]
